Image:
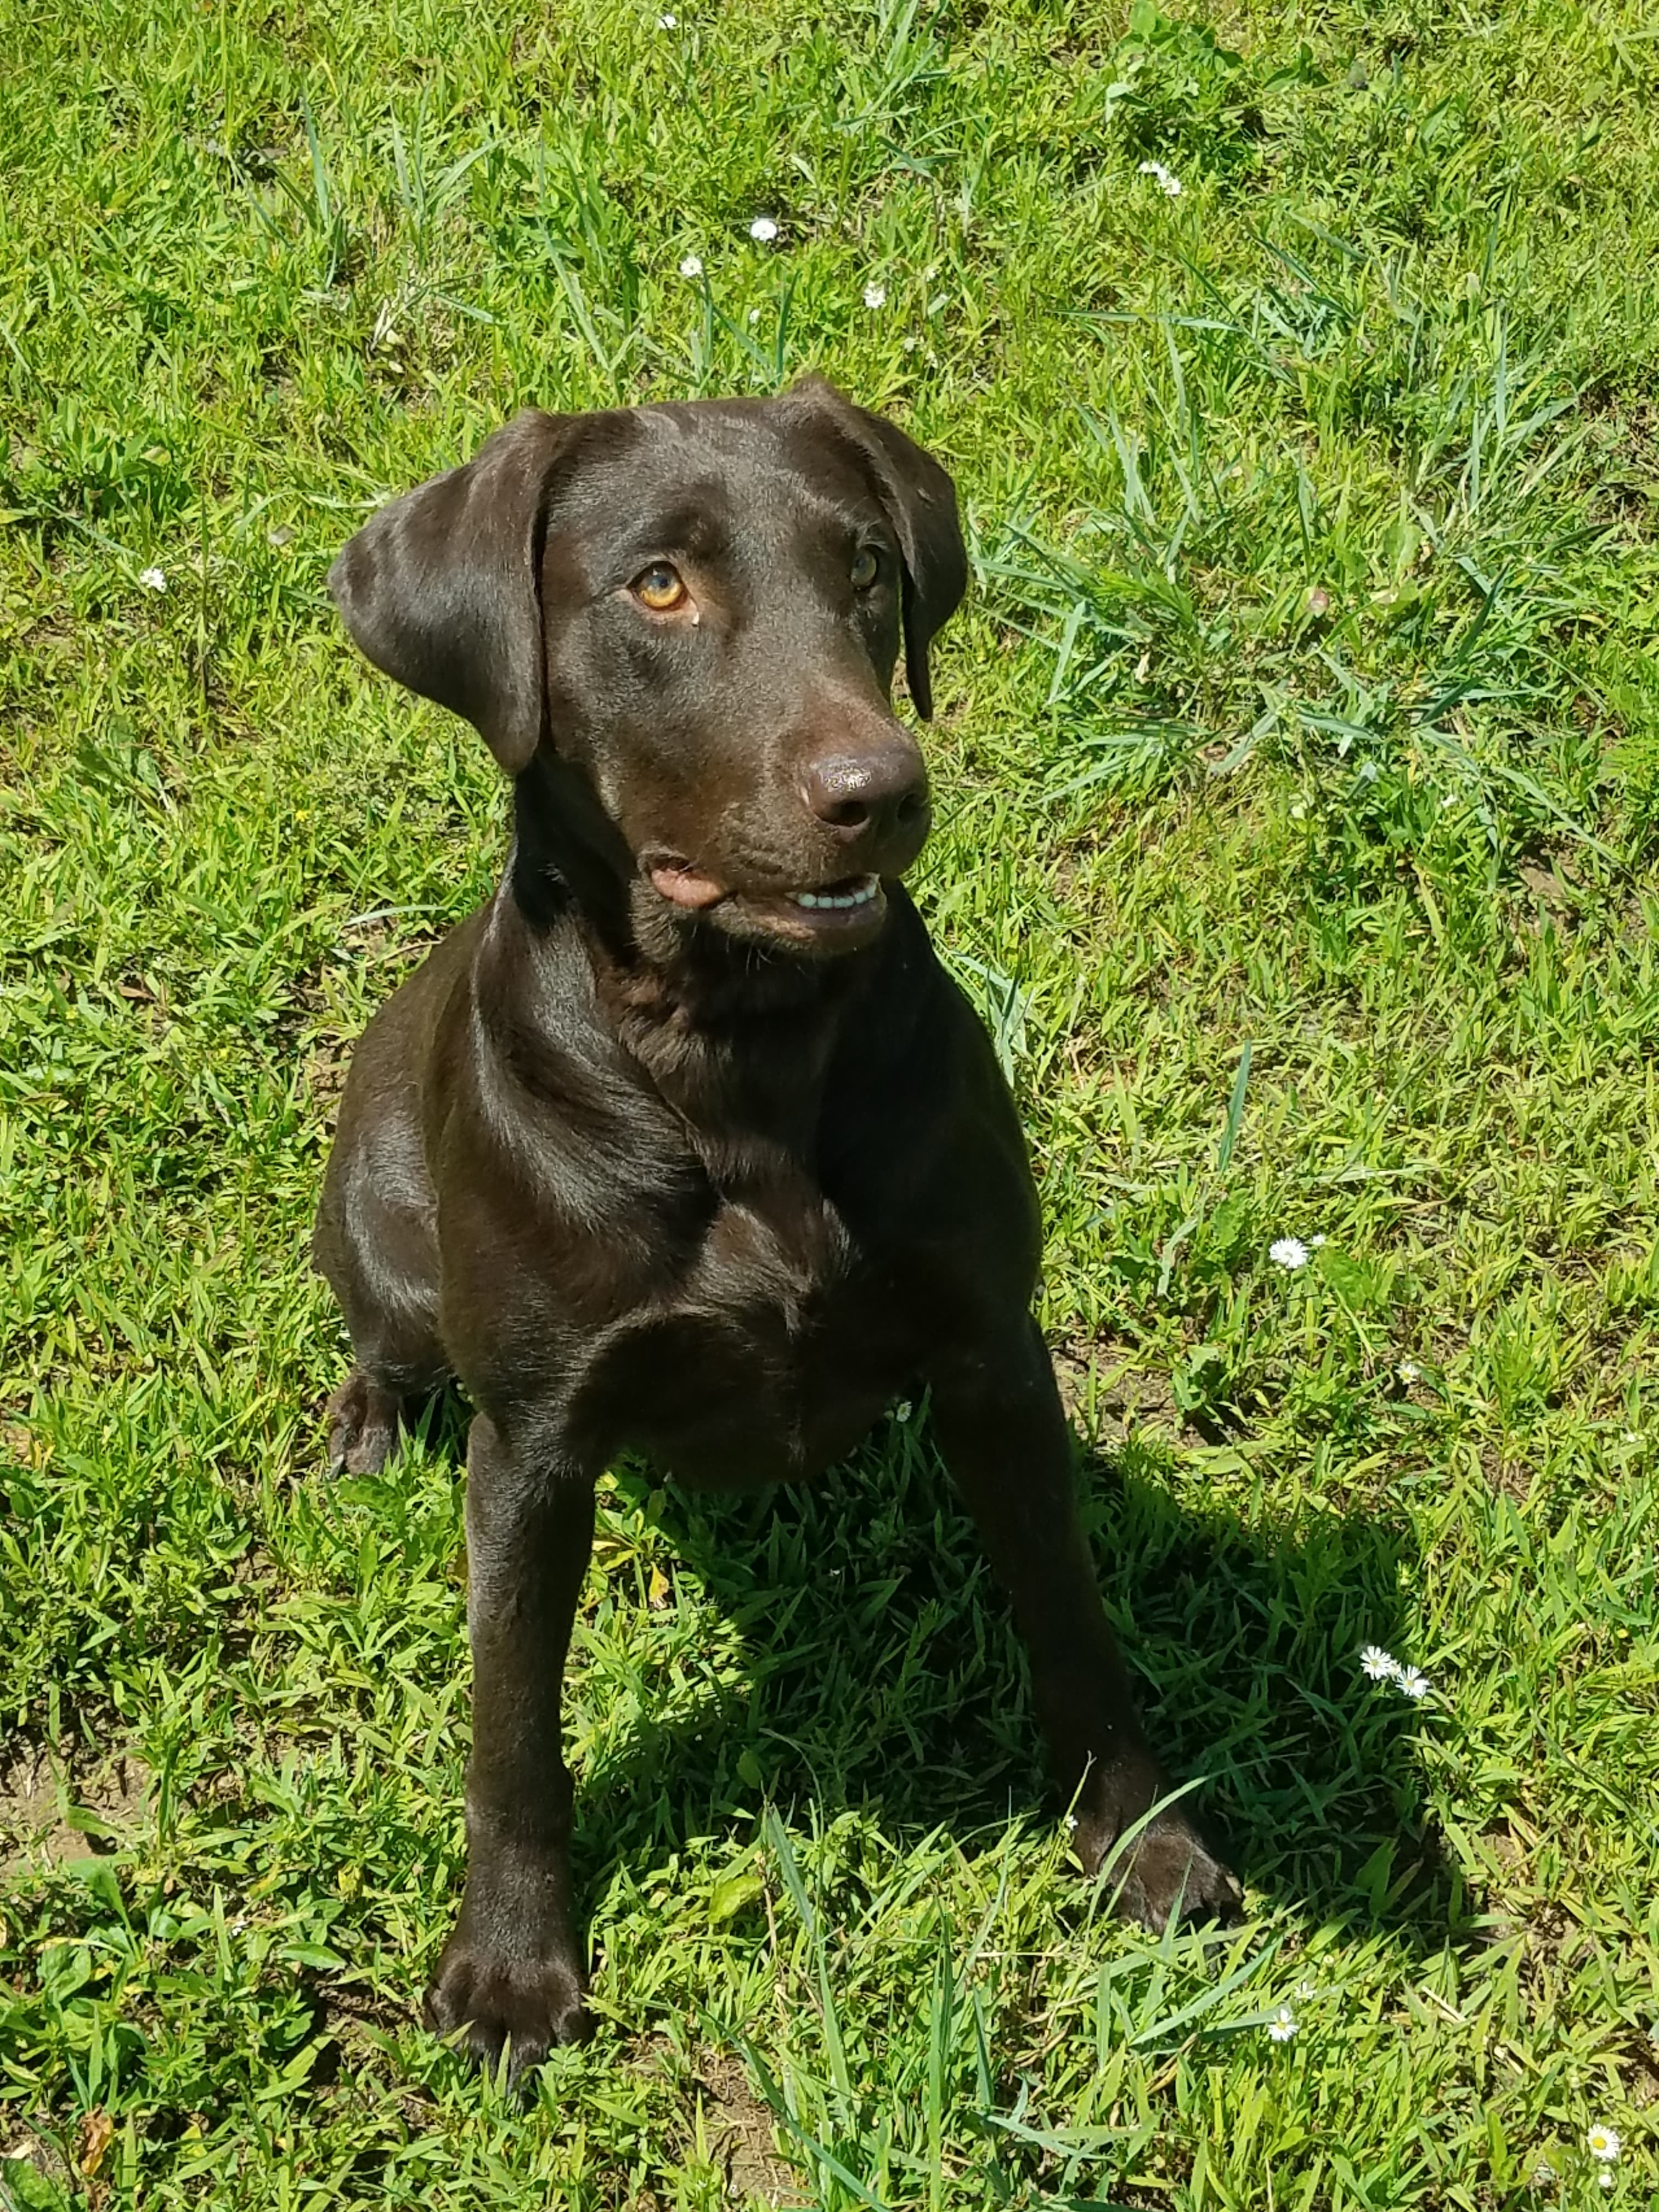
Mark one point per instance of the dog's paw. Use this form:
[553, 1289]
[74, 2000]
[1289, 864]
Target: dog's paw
[362, 1426]
[488, 2003]
[1168, 1868]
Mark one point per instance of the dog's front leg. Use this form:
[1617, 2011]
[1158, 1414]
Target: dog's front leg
[512, 1972]
[1003, 1433]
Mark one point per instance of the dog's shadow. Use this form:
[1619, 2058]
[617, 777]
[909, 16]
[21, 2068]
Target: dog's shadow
[879, 1670]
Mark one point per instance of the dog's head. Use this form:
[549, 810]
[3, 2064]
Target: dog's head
[691, 615]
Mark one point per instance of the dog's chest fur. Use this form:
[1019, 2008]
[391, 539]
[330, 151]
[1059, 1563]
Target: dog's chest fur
[770, 1342]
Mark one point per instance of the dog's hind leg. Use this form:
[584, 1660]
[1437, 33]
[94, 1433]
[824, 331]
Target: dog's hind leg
[362, 1424]
[375, 1245]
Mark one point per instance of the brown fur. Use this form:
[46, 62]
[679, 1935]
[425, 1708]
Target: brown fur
[682, 1181]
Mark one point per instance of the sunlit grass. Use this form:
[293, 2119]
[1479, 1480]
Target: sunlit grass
[1298, 757]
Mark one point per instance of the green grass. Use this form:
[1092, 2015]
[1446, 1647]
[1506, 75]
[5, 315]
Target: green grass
[1306, 708]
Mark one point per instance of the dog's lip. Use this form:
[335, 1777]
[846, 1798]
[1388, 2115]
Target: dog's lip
[845, 906]
[683, 885]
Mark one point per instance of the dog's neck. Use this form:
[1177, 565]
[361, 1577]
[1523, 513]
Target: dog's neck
[736, 1037]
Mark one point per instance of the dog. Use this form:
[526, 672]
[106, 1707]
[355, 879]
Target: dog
[685, 1142]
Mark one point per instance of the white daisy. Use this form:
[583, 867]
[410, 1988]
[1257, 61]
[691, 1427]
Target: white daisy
[1282, 2026]
[1412, 1682]
[875, 295]
[1603, 2142]
[762, 230]
[1382, 1666]
[668, 23]
[1409, 1371]
[1167, 181]
[1288, 1252]
[152, 580]
[691, 266]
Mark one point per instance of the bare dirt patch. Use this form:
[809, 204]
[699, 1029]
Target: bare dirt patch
[740, 2134]
[39, 1791]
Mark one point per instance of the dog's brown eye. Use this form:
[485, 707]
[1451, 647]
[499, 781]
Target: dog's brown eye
[658, 587]
[865, 570]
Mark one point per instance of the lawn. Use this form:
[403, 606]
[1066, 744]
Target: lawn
[1296, 762]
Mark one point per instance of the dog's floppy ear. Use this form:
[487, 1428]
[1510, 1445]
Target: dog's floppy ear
[920, 502]
[440, 589]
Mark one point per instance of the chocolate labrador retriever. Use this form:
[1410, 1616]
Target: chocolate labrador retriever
[685, 1142]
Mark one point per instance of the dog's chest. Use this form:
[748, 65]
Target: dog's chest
[774, 1245]
[768, 1351]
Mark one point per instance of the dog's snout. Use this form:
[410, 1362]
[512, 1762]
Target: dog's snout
[874, 792]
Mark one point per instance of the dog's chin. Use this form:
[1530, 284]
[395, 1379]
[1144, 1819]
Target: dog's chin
[821, 923]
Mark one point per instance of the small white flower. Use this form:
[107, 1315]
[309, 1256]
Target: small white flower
[1288, 1252]
[1605, 2177]
[1070, 1820]
[1412, 1682]
[875, 295]
[1282, 2026]
[1602, 2143]
[668, 23]
[1632, 1436]
[1450, 800]
[754, 314]
[152, 580]
[1409, 1371]
[762, 230]
[1314, 1242]
[1167, 181]
[1382, 1666]
[691, 267]
[1305, 1992]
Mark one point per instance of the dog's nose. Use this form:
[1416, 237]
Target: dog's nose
[875, 792]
